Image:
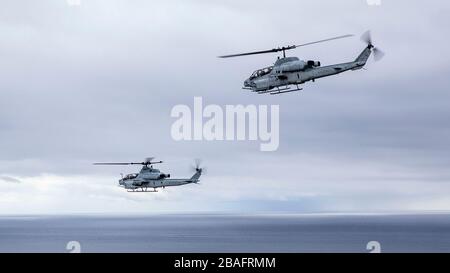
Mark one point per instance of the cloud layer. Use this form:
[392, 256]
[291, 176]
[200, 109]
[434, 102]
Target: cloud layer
[97, 82]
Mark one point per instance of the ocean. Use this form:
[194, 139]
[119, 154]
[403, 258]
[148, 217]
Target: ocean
[226, 233]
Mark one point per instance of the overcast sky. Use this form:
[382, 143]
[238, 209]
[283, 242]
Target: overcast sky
[97, 82]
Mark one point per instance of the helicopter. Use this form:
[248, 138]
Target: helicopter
[288, 72]
[152, 178]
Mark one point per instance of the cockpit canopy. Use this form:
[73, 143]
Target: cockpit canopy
[130, 176]
[261, 72]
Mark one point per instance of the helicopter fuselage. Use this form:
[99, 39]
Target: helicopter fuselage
[293, 71]
[153, 179]
[149, 177]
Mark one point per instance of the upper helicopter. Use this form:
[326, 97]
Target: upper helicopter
[150, 177]
[291, 71]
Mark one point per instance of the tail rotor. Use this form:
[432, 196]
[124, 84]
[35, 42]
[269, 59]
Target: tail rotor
[198, 171]
[377, 53]
[197, 166]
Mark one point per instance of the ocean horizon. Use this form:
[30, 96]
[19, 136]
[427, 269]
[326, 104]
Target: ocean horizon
[273, 233]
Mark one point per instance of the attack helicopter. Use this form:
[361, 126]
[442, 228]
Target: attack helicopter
[289, 72]
[151, 178]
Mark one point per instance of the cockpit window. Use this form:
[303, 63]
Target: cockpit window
[261, 72]
[131, 176]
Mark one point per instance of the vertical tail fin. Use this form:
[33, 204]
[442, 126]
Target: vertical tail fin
[196, 176]
[363, 57]
[365, 54]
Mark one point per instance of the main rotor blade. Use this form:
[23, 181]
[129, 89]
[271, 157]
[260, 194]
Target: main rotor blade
[117, 163]
[252, 53]
[284, 48]
[326, 40]
[149, 159]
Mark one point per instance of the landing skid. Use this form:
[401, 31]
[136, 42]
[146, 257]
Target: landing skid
[287, 91]
[278, 90]
[143, 190]
[272, 91]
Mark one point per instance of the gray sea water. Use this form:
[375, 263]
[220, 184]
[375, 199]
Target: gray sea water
[227, 233]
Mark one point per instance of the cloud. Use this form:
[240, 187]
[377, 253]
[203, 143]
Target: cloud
[97, 83]
[9, 179]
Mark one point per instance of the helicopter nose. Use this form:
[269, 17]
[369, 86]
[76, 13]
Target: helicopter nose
[249, 83]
